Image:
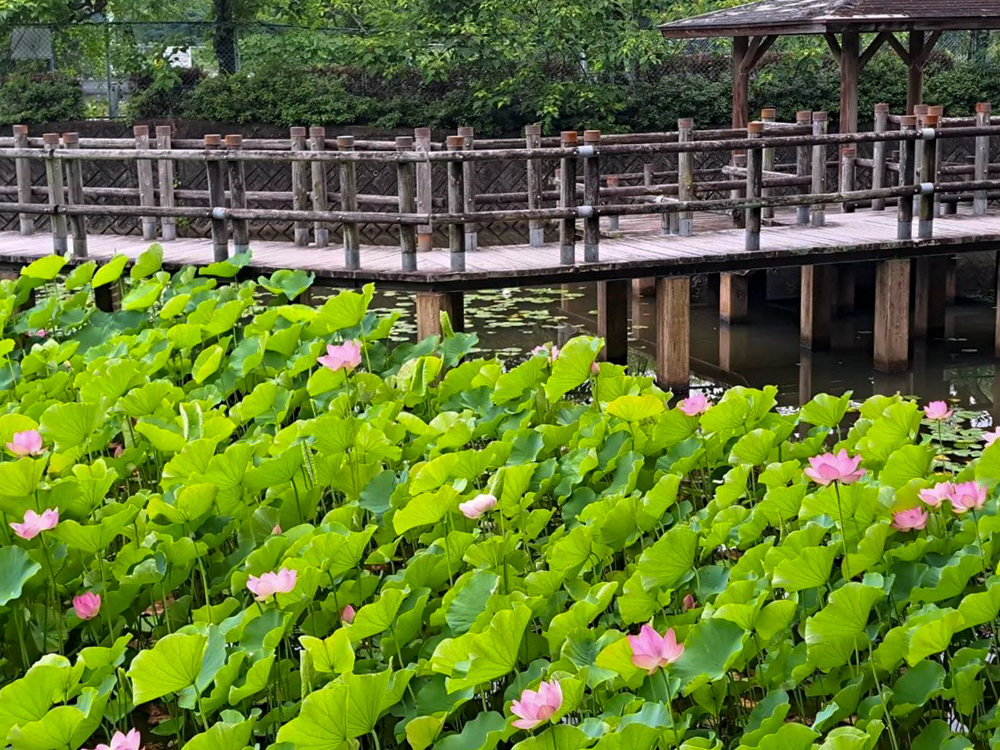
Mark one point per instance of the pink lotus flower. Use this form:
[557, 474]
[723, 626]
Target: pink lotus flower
[276, 529]
[834, 468]
[913, 519]
[595, 368]
[116, 450]
[40, 333]
[35, 524]
[552, 354]
[651, 651]
[991, 437]
[937, 410]
[937, 494]
[967, 496]
[346, 356]
[130, 741]
[537, 706]
[474, 508]
[347, 614]
[87, 605]
[27, 443]
[694, 404]
[269, 584]
[689, 603]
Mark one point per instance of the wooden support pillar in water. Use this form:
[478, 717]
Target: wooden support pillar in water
[734, 296]
[673, 332]
[612, 319]
[430, 305]
[816, 306]
[846, 288]
[930, 304]
[892, 315]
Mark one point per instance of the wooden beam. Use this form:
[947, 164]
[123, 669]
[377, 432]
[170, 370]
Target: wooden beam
[758, 48]
[673, 332]
[876, 44]
[850, 70]
[929, 44]
[741, 83]
[915, 72]
[612, 319]
[831, 39]
[904, 54]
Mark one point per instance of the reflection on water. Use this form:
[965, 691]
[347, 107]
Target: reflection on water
[764, 351]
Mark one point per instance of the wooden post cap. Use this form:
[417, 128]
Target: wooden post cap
[756, 127]
[345, 142]
[234, 140]
[569, 137]
[297, 132]
[908, 121]
[931, 121]
[455, 142]
[848, 150]
[421, 132]
[140, 130]
[768, 113]
[613, 180]
[164, 130]
[685, 123]
[213, 140]
[71, 138]
[820, 116]
[740, 160]
[984, 107]
[404, 142]
[466, 131]
[920, 109]
[20, 129]
[532, 129]
[803, 116]
[936, 110]
[50, 139]
[317, 131]
[591, 136]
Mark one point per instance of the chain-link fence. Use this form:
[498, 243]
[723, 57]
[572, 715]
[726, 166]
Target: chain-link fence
[111, 61]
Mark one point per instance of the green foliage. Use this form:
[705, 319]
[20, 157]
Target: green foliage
[40, 98]
[194, 447]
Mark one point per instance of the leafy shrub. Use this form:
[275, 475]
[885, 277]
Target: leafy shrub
[427, 536]
[40, 98]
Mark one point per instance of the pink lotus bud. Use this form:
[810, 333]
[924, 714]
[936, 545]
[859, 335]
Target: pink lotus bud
[913, 519]
[130, 741]
[595, 368]
[86, 606]
[269, 584]
[474, 508]
[276, 529]
[346, 356]
[991, 437]
[35, 524]
[27, 443]
[689, 603]
[347, 614]
[834, 468]
[651, 651]
[537, 706]
[937, 410]
[694, 404]
[937, 494]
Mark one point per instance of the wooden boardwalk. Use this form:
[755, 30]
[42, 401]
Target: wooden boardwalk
[638, 250]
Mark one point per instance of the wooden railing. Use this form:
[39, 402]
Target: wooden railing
[906, 165]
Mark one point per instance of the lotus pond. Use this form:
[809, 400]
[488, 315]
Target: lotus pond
[233, 521]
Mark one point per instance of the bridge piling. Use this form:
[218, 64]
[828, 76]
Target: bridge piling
[429, 307]
[673, 332]
[612, 319]
[816, 306]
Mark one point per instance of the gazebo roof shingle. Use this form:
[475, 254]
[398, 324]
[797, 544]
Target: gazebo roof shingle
[823, 16]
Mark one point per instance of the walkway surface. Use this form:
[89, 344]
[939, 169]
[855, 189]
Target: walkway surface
[638, 250]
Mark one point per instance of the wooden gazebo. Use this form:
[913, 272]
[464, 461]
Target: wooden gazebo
[754, 27]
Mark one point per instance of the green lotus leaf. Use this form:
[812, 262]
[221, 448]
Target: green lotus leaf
[172, 664]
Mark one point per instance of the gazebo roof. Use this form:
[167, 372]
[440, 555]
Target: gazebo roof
[833, 16]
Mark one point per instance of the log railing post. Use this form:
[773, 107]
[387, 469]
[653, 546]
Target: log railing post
[22, 170]
[456, 204]
[768, 115]
[928, 174]
[75, 196]
[803, 161]
[614, 222]
[320, 201]
[981, 197]
[217, 198]
[469, 178]
[848, 175]
[685, 177]
[406, 190]
[165, 175]
[819, 125]
[237, 193]
[591, 196]
[739, 162]
[54, 178]
[907, 160]
[878, 155]
[648, 180]
[939, 208]
[425, 188]
[144, 173]
[920, 111]
[755, 178]
[300, 185]
[567, 199]
[349, 202]
[536, 227]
